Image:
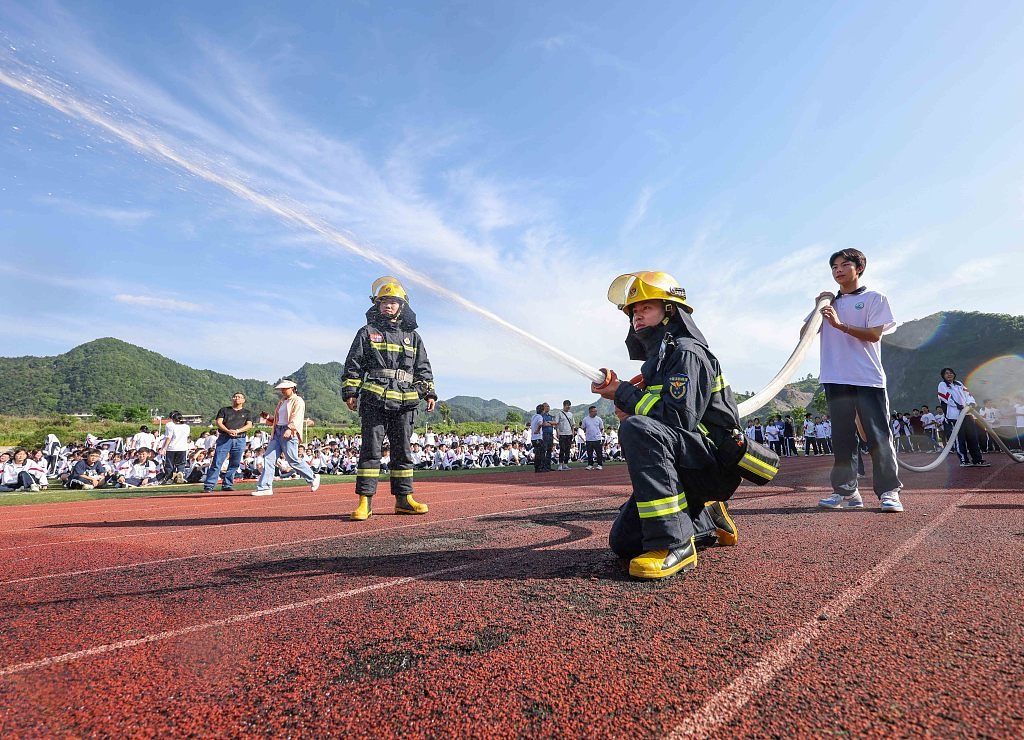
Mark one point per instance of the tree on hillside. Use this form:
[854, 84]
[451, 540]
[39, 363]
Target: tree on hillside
[446, 414]
[514, 417]
[112, 411]
[136, 414]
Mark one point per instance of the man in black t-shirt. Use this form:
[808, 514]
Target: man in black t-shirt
[232, 423]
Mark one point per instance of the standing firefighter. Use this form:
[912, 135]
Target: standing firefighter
[387, 370]
[670, 417]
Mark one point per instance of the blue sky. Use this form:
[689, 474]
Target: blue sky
[520, 154]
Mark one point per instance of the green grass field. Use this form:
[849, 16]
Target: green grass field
[56, 493]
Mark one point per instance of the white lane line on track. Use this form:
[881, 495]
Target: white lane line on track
[726, 703]
[291, 543]
[246, 511]
[249, 616]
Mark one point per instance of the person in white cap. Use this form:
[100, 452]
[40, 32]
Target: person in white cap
[288, 420]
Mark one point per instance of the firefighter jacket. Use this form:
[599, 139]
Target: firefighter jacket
[685, 390]
[387, 365]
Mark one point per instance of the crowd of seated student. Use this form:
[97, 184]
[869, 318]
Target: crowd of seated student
[140, 461]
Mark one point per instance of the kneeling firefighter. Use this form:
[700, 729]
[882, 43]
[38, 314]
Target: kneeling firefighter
[388, 372]
[680, 433]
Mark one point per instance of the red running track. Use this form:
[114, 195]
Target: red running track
[502, 613]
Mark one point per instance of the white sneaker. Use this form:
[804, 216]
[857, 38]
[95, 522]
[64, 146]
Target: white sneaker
[590, 467]
[891, 501]
[88, 487]
[262, 492]
[598, 467]
[838, 500]
[34, 487]
[315, 484]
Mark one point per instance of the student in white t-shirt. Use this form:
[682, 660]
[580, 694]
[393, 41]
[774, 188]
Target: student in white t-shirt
[854, 383]
[175, 448]
[954, 397]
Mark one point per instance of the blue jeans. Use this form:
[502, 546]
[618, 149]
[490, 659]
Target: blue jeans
[231, 448]
[290, 449]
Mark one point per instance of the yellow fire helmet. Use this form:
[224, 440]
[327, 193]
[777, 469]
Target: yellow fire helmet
[648, 285]
[388, 287]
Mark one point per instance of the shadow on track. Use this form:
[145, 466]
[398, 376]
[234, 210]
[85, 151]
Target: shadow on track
[204, 522]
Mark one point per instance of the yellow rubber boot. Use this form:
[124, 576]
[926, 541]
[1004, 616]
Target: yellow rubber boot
[725, 527]
[663, 563]
[363, 511]
[409, 505]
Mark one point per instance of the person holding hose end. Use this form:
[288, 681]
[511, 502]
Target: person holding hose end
[854, 383]
[386, 373]
[679, 422]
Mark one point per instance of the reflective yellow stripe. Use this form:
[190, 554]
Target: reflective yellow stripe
[703, 429]
[388, 347]
[661, 506]
[401, 473]
[758, 467]
[720, 384]
[379, 390]
[646, 403]
[367, 472]
[654, 388]
[351, 383]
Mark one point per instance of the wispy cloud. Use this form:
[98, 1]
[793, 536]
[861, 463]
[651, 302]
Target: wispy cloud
[121, 216]
[148, 301]
[638, 212]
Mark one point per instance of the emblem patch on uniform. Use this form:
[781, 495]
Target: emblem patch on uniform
[677, 386]
[859, 306]
[376, 338]
[407, 340]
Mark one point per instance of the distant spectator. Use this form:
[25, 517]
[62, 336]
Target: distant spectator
[140, 472]
[955, 398]
[174, 448]
[540, 432]
[233, 423]
[566, 429]
[88, 473]
[593, 428]
[15, 475]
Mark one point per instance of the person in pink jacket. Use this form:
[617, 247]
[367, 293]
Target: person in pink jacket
[288, 420]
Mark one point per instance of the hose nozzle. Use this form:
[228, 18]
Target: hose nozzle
[609, 378]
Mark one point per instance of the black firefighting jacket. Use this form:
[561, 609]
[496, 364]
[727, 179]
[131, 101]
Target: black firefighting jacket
[685, 390]
[387, 365]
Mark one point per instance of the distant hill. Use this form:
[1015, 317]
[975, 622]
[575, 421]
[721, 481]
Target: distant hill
[111, 371]
[914, 354]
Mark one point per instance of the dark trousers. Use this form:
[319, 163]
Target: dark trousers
[967, 446]
[663, 508]
[25, 481]
[845, 404]
[564, 448]
[396, 426]
[811, 443]
[541, 456]
[595, 451]
[174, 462]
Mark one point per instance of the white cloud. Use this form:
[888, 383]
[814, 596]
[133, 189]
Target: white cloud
[121, 216]
[148, 301]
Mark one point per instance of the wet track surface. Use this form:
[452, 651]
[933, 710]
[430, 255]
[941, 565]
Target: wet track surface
[502, 613]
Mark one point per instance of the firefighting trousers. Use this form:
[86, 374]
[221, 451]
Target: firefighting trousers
[397, 427]
[662, 513]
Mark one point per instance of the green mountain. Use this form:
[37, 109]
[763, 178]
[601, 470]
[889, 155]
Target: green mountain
[111, 371]
[970, 343]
